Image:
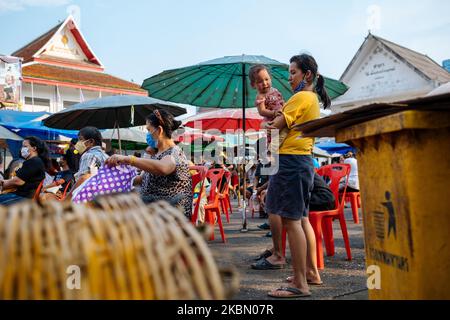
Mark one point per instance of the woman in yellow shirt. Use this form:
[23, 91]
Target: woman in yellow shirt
[289, 189]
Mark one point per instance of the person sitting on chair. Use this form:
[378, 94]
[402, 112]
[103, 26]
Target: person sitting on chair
[30, 175]
[353, 180]
[62, 179]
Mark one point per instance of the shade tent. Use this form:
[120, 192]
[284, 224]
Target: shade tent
[8, 116]
[6, 134]
[320, 153]
[126, 134]
[333, 147]
[30, 124]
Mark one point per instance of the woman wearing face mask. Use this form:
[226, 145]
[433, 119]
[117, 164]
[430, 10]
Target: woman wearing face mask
[287, 200]
[89, 145]
[166, 174]
[30, 175]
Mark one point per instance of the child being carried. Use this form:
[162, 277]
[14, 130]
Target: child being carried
[269, 102]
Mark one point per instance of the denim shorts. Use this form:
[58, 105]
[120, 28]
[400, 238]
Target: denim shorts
[290, 188]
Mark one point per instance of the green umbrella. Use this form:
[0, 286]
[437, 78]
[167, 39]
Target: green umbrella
[224, 83]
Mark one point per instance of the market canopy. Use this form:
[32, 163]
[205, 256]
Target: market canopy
[30, 124]
[6, 134]
[334, 147]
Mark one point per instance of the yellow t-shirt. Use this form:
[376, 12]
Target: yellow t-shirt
[301, 107]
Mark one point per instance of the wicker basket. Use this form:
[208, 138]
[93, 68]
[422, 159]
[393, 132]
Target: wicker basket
[117, 249]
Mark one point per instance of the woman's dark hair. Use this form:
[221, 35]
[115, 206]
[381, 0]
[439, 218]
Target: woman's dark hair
[253, 72]
[165, 120]
[41, 149]
[307, 63]
[91, 133]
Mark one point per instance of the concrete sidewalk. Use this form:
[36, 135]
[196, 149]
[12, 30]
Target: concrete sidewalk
[342, 279]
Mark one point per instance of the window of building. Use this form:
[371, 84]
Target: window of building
[67, 104]
[38, 101]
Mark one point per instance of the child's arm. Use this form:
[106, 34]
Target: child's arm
[262, 110]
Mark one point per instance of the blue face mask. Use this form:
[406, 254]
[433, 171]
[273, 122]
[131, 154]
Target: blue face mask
[150, 141]
[300, 86]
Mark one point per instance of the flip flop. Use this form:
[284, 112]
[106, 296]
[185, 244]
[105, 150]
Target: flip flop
[295, 293]
[264, 255]
[289, 280]
[264, 226]
[264, 264]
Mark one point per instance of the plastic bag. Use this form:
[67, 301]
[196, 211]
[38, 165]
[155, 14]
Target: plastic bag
[107, 181]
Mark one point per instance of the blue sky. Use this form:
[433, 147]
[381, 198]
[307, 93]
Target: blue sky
[136, 39]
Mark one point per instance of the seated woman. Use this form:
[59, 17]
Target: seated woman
[166, 174]
[30, 175]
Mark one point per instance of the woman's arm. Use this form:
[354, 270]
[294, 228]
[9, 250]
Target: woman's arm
[162, 167]
[12, 183]
[278, 123]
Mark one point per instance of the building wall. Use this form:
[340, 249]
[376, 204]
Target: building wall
[378, 75]
[67, 96]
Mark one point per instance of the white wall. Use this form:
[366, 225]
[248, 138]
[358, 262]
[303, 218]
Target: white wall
[50, 92]
[379, 75]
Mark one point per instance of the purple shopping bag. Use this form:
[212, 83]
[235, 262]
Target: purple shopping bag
[107, 181]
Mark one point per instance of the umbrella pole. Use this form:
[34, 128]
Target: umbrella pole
[244, 101]
[118, 131]
[240, 174]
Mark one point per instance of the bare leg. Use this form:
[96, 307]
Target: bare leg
[276, 228]
[297, 244]
[312, 273]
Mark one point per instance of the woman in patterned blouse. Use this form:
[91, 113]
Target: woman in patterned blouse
[166, 174]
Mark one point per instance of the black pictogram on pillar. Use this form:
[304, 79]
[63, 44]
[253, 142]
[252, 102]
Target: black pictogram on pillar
[392, 226]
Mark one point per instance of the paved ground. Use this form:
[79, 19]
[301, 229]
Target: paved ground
[342, 279]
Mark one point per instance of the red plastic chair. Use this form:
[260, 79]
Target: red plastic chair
[224, 196]
[198, 177]
[354, 198]
[66, 189]
[212, 209]
[321, 221]
[38, 191]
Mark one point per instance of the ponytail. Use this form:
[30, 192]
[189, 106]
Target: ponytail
[307, 63]
[322, 92]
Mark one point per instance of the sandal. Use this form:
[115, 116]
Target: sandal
[293, 293]
[264, 255]
[264, 264]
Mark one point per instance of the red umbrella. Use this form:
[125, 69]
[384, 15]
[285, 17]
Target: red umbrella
[226, 119]
[189, 137]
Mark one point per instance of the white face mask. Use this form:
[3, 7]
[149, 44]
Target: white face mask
[25, 152]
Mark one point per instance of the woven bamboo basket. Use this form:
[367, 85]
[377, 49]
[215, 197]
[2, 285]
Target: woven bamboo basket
[118, 249]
